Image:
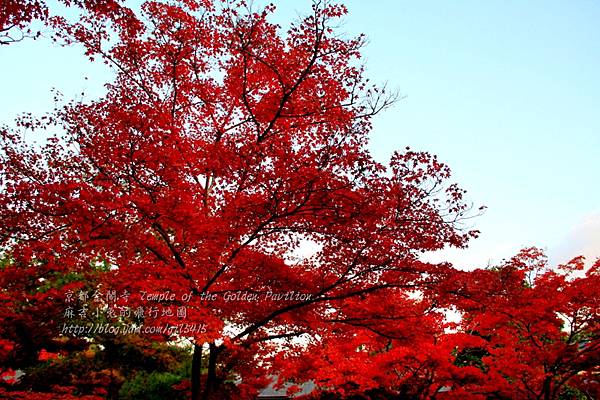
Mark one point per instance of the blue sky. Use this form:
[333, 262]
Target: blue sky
[505, 92]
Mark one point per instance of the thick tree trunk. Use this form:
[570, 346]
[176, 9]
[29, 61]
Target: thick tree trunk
[199, 391]
[547, 388]
[211, 376]
[196, 372]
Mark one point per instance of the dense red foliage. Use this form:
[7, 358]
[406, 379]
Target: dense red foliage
[16, 15]
[228, 163]
[527, 332]
[539, 327]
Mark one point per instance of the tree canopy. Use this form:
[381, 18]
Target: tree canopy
[222, 195]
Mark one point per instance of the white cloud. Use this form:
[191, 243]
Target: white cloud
[583, 239]
[480, 254]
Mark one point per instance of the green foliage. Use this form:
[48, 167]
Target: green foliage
[100, 264]
[571, 393]
[173, 365]
[471, 357]
[152, 386]
[110, 369]
[58, 280]
[5, 259]
[133, 353]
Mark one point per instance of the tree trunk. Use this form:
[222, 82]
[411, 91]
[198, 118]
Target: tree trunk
[196, 372]
[547, 388]
[211, 376]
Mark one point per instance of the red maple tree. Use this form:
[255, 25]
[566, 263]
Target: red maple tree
[527, 331]
[222, 147]
[538, 327]
[18, 16]
[226, 175]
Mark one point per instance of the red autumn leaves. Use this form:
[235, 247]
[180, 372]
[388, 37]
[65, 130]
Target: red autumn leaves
[229, 160]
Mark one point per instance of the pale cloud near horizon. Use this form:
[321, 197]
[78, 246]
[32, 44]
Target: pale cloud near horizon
[479, 254]
[583, 239]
